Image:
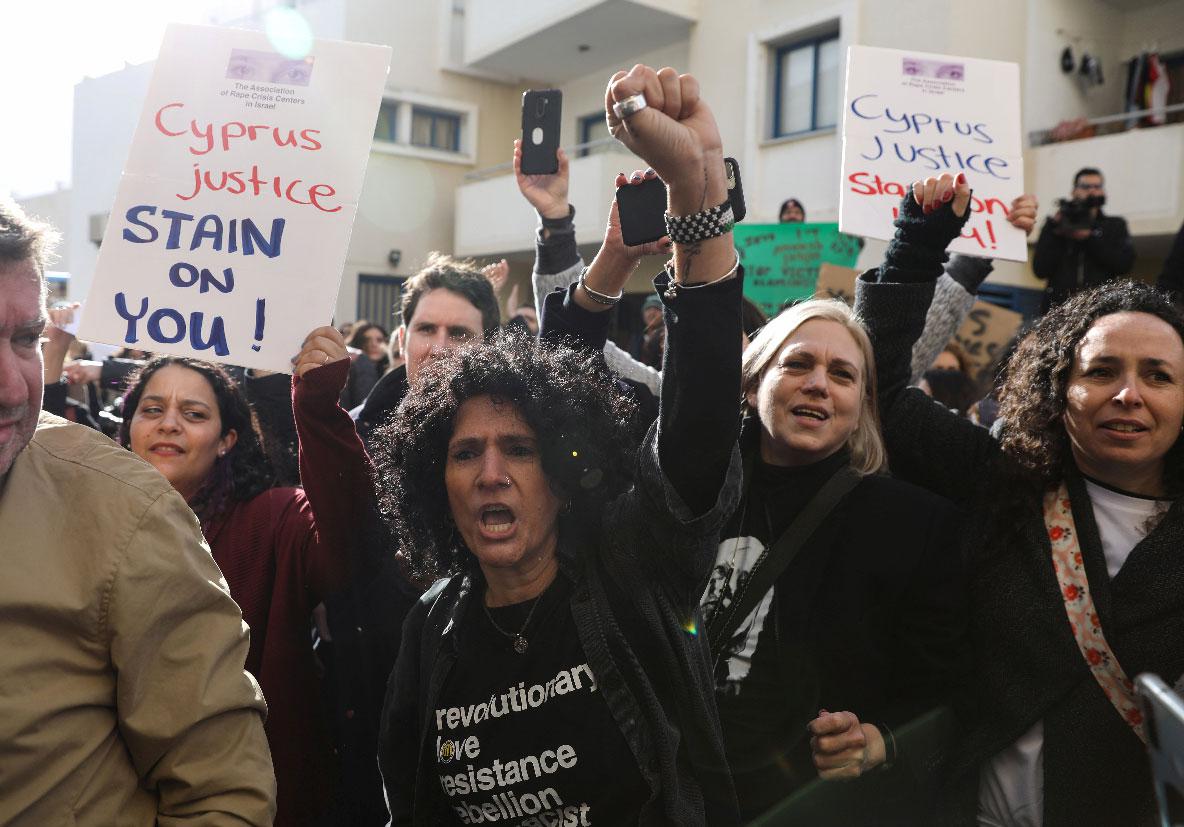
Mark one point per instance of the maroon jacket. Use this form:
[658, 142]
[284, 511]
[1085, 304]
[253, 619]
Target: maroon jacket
[282, 552]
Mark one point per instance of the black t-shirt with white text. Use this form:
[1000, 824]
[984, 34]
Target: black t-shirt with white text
[527, 739]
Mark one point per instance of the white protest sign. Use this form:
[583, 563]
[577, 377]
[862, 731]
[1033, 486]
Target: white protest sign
[232, 220]
[912, 115]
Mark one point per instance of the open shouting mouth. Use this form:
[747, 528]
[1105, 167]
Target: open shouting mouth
[497, 521]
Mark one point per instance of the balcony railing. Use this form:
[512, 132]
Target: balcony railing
[493, 218]
[1082, 128]
[574, 151]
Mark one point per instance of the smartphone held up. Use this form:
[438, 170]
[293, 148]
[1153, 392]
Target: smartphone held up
[542, 113]
[642, 207]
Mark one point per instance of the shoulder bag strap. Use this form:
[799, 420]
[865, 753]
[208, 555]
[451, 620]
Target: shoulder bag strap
[777, 558]
[1083, 617]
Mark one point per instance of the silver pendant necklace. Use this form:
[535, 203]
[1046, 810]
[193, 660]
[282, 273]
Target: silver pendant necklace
[517, 639]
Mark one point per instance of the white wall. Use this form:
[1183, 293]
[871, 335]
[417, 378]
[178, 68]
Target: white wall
[491, 24]
[806, 167]
[106, 111]
[585, 95]
[52, 208]
[324, 17]
[1155, 28]
[408, 203]
[1092, 26]
[493, 217]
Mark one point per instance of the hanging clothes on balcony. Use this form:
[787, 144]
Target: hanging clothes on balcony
[1136, 80]
[1157, 90]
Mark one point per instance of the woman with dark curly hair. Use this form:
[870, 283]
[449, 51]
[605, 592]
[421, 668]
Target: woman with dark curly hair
[589, 449]
[280, 549]
[1073, 529]
[557, 675]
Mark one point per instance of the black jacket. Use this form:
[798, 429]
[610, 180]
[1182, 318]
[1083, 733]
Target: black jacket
[1172, 276]
[364, 374]
[366, 622]
[381, 402]
[636, 587]
[1070, 266]
[870, 617]
[1027, 667]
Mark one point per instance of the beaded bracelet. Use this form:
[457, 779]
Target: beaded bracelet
[700, 226]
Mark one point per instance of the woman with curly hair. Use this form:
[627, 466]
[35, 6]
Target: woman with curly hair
[1073, 529]
[556, 675]
[280, 549]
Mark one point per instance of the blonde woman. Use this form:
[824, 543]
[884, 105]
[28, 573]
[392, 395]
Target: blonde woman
[835, 608]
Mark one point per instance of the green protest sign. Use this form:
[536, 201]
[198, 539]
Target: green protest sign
[781, 261]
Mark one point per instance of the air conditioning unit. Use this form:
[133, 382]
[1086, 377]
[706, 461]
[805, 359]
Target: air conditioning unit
[98, 226]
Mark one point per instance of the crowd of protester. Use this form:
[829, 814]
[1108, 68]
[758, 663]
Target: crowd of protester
[485, 571]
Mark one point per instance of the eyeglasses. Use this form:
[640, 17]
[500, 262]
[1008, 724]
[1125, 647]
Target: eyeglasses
[1091, 186]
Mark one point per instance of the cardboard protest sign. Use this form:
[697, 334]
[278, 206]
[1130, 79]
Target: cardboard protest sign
[911, 115]
[781, 261]
[835, 282]
[232, 220]
[985, 333]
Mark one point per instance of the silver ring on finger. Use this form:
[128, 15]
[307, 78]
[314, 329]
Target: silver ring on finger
[630, 106]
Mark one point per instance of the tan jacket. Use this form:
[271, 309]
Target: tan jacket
[123, 699]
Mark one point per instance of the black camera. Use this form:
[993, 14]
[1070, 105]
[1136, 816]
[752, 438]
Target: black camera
[1075, 213]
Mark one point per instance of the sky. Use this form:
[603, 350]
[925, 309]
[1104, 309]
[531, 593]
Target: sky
[47, 46]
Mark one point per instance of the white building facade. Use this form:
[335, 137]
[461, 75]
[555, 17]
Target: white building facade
[438, 176]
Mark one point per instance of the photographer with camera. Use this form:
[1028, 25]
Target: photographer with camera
[1079, 246]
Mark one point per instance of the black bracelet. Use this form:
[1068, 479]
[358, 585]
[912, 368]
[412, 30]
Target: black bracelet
[558, 223]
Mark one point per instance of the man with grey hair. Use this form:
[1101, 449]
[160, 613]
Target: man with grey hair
[123, 698]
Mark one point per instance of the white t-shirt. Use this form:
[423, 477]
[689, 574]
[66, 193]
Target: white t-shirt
[1011, 785]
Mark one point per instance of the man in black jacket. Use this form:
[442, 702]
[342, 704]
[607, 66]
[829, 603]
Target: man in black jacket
[1079, 246]
[1172, 277]
[444, 305]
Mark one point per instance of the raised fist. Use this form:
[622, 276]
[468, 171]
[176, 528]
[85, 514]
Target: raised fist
[675, 133]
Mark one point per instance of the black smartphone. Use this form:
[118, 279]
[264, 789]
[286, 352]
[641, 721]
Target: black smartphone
[735, 190]
[542, 113]
[642, 210]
